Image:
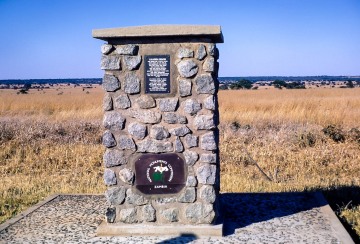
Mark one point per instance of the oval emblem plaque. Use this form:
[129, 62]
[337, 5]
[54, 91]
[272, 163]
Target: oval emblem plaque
[159, 173]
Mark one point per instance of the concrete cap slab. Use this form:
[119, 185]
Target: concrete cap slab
[212, 32]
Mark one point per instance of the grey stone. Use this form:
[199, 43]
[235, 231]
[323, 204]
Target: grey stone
[178, 145]
[200, 52]
[148, 213]
[122, 101]
[106, 48]
[191, 106]
[110, 62]
[145, 101]
[137, 130]
[146, 116]
[185, 53]
[170, 214]
[107, 102]
[174, 118]
[167, 104]
[127, 176]
[159, 132]
[110, 215]
[211, 49]
[125, 142]
[190, 157]
[207, 194]
[200, 213]
[188, 195]
[110, 83]
[113, 120]
[115, 195]
[113, 158]
[204, 122]
[136, 199]
[187, 68]
[154, 146]
[109, 177]
[209, 102]
[180, 131]
[108, 139]
[209, 64]
[205, 84]
[131, 83]
[191, 141]
[132, 63]
[191, 181]
[207, 141]
[185, 87]
[206, 174]
[209, 158]
[128, 215]
[165, 200]
[129, 49]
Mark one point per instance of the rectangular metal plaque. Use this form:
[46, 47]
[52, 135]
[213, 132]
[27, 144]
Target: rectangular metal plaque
[160, 173]
[157, 73]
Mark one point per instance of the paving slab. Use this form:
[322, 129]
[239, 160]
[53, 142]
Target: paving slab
[248, 218]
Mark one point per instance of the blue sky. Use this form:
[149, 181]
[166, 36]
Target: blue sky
[52, 38]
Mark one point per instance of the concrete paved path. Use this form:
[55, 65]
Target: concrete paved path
[248, 218]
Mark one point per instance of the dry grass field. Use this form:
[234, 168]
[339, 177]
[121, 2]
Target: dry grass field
[51, 142]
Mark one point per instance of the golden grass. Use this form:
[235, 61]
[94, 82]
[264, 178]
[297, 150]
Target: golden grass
[51, 143]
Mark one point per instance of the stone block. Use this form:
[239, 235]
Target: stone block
[191, 141]
[114, 157]
[200, 52]
[154, 146]
[125, 142]
[146, 116]
[110, 83]
[137, 130]
[168, 104]
[148, 213]
[174, 118]
[207, 194]
[115, 195]
[159, 132]
[191, 106]
[207, 141]
[180, 131]
[185, 53]
[205, 84]
[146, 101]
[209, 158]
[106, 48]
[191, 181]
[204, 122]
[188, 195]
[178, 145]
[190, 157]
[131, 83]
[209, 64]
[206, 174]
[129, 49]
[126, 176]
[185, 87]
[107, 102]
[198, 213]
[122, 101]
[108, 139]
[109, 177]
[110, 215]
[128, 215]
[113, 121]
[135, 199]
[211, 49]
[209, 102]
[187, 68]
[132, 62]
[171, 214]
[110, 62]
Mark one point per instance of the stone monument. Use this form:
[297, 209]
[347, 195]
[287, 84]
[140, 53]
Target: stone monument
[160, 119]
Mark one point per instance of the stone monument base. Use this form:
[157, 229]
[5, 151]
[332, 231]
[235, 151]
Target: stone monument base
[121, 229]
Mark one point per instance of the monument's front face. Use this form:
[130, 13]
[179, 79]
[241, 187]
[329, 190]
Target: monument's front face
[161, 115]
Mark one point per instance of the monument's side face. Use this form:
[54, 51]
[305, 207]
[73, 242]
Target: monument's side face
[161, 138]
